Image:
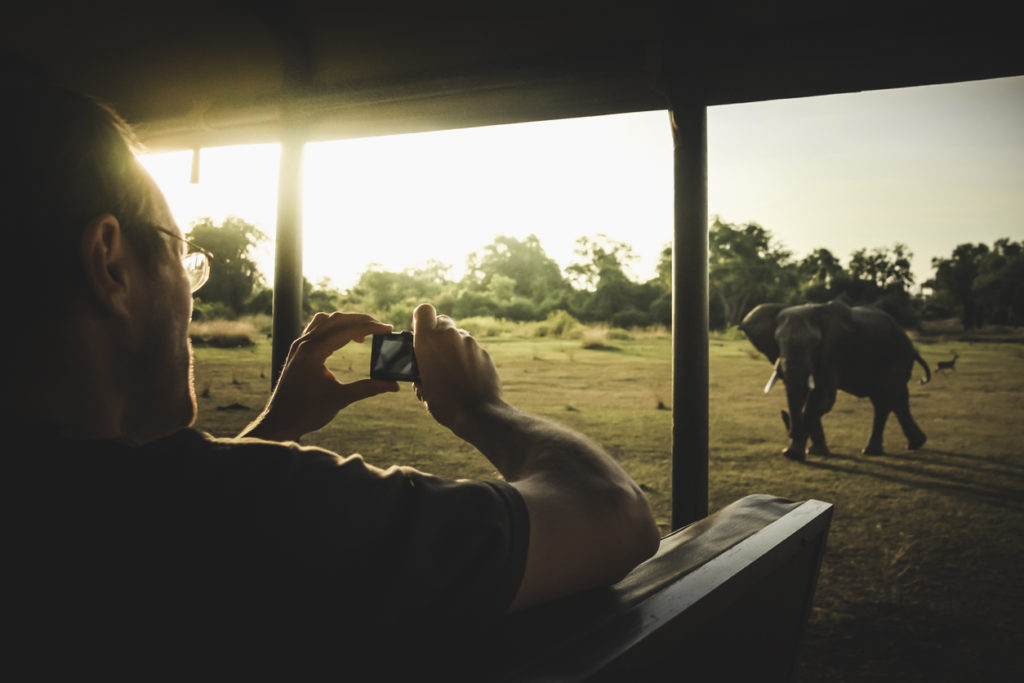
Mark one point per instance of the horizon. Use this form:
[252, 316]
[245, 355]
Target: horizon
[931, 167]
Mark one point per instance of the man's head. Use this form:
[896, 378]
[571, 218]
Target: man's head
[94, 292]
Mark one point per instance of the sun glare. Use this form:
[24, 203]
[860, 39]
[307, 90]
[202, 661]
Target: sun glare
[931, 167]
[400, 201]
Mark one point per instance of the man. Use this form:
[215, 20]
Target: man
[138, 547]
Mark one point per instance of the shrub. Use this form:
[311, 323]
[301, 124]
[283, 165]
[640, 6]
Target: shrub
[261, 301]
[630, 317]
[661, 310]
[211, 310]
[594, 339]
[731, 333]
[400, 315]
[519, 308]
[223, 334]
[486, 326]
[559, 324]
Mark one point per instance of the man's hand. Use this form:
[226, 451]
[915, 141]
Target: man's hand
[589, 521]
[457, 377]
[308, 395]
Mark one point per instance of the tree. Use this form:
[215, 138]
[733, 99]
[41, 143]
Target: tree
[320, 297]
[664, 269]
[818, 272]
[660, 310]
[385, 292]
[533, 273]
[609, 293]
[233, 272]
[882, 278]
[955, 276]
[600, 257]
[999, 286]
[746, 267]
[886, 270]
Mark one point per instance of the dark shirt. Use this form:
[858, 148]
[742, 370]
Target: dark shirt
[195, 558]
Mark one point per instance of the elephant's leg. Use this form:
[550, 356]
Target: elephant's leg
[818, 405]
[915, 437]
[817, 434]
[796, 448]
[882, 411]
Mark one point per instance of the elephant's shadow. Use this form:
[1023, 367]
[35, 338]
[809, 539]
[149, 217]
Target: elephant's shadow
[961, 475]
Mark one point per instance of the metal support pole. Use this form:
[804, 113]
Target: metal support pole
[690, 316]
[288, 253]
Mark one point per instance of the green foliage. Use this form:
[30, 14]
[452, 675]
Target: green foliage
[981, 284]
[508, 267]
[630, 317]
[261, 302]
[515, 280]
[321, 297]
[559, 324]
[379, 290]
[223, 334]
[400, 315]
[487, 326]
[619, 334]
[660, 310]
[664, 269]
[880, 277]
[234, 275]
[999, 285]
[602, 258]
[211, 310]
[746, 267]
[887, 271]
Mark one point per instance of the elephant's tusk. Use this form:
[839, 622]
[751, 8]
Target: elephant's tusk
[810, 382]
[773, 379]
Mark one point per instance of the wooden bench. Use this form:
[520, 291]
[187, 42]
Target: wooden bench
[725, 598]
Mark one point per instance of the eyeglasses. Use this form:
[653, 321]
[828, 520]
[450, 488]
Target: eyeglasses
[196, 261]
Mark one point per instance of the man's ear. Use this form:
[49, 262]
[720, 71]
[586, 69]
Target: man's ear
[106, 263]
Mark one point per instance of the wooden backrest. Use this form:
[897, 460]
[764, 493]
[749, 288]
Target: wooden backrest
[726, 597]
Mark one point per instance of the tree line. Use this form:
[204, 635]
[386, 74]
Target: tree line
[515, 279]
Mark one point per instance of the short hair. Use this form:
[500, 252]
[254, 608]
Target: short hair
[65, 159]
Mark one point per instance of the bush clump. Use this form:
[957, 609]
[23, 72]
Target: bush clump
[223, 334]
[559, 324]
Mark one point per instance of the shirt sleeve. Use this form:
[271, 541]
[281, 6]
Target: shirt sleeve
[394, 548]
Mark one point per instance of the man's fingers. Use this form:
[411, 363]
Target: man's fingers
[365, 388]
[315, 322]
[334, 333]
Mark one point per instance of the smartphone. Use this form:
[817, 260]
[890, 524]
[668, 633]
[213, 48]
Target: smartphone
[391, 357]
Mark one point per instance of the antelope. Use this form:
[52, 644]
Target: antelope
[947, 364]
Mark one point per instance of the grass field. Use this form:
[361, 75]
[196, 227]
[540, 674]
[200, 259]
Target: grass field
[922, 576]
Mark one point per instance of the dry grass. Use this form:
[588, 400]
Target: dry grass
[223, 333]
[921, 579]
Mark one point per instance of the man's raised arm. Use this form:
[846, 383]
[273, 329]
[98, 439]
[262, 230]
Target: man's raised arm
[589, 522]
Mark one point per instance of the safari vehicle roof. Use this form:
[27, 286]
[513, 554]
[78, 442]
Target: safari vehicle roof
[214, 72]
[193, 74]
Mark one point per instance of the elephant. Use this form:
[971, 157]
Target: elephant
[817, 349]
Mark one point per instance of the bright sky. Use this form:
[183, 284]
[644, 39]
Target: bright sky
[931, 167]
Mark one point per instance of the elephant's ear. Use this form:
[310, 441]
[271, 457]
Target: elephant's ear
[759, 326]
[837, 330]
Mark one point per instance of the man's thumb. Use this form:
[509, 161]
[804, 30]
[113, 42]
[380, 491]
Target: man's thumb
[424, 316]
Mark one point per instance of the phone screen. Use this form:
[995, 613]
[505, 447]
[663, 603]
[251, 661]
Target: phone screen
[392, 357]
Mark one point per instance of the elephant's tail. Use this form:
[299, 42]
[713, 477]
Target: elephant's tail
[927, 370]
